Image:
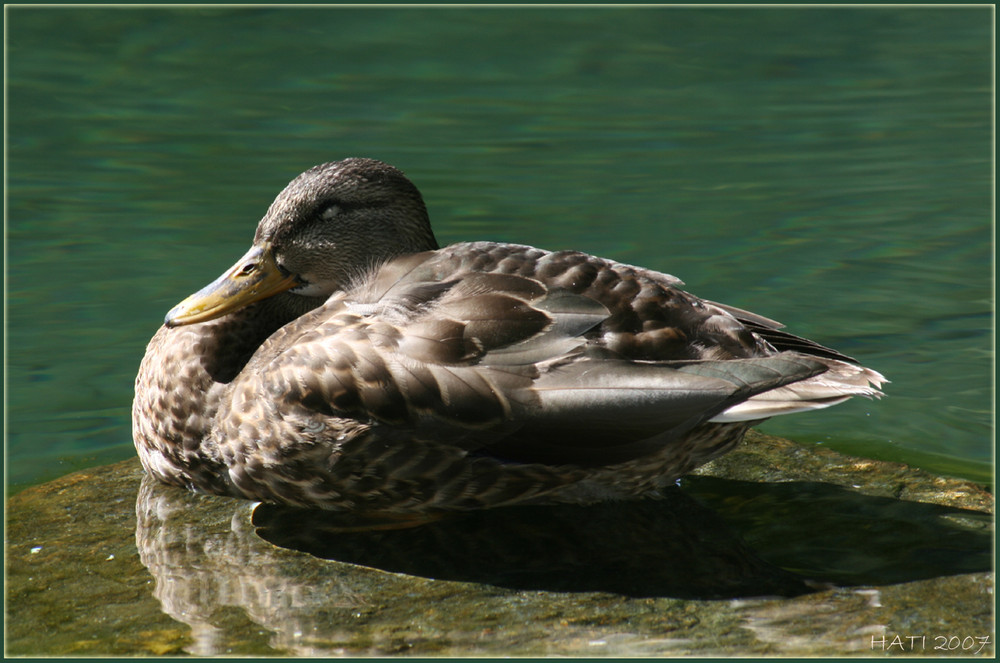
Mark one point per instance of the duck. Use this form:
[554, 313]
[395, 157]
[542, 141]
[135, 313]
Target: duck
[347, 362]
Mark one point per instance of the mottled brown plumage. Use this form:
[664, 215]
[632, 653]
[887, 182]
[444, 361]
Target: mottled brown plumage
[346, 362]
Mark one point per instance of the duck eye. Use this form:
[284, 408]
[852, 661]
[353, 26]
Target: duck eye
[329, 212]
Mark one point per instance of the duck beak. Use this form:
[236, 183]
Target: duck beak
[255, 276]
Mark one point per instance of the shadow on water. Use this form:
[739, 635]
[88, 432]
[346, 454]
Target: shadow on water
[802, 536]
[840, 536]
[670, 547]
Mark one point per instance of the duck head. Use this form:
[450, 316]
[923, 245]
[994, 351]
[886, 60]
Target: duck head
[330, 224]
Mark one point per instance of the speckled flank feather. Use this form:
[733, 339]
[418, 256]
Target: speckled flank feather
[397, 376]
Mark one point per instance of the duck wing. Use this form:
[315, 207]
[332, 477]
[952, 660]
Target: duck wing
[502, 364]
[771, 331]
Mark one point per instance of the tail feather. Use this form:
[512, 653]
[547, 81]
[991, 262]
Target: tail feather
[840, 382]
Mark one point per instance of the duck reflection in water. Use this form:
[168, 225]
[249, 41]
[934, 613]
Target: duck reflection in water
[208, 554]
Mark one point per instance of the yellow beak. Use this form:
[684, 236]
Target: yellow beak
[254, 277]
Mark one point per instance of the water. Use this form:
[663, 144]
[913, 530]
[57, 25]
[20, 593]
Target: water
[829, 168]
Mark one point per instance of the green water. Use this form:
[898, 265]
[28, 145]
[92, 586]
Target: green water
[829, 168]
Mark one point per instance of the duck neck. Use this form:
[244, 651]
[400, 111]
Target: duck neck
[183, 377]
[227, 344]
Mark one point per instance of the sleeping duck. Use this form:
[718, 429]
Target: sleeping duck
[346, 362]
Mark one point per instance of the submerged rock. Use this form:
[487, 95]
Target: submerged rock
[775, 548]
